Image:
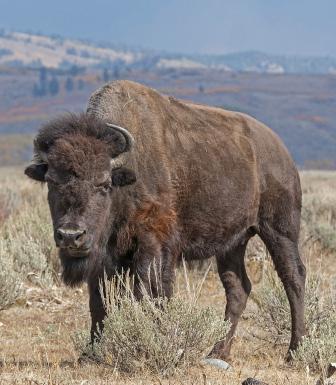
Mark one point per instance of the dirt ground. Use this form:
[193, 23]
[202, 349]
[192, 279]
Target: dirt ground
[37, 347]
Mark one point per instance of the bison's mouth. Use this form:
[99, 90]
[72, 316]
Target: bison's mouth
[74, 253]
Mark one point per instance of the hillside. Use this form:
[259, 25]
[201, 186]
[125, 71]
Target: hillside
[300, 108]
[42, 76]
[19, 49]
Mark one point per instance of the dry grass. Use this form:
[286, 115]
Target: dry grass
[319, 213]
[37, 330]
[26, 246]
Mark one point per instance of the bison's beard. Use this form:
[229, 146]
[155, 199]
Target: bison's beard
[75, 270]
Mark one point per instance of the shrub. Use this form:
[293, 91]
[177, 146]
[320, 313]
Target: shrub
[159, 335]
[318, 348]
[10, 285]
[26, 244]
[319, 214]
[26, 238]
[273, 314]
[8, 201]
[326, 234]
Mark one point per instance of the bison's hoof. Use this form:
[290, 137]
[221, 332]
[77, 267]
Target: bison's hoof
[289, 357]
[85, 358]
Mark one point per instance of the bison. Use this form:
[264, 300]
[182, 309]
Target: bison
[140, 180]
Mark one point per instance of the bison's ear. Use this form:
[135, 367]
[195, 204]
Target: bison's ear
[37, 171]
[122, 177]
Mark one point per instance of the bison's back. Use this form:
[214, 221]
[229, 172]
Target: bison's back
[278, 183]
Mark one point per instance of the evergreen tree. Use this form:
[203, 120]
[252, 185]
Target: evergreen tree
[43, 86]
[36, 90]
[80, 84]
[75, 70]
[43, 75]
[53, 86]
[69, 84]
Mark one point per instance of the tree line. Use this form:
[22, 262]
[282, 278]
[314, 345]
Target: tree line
[48, 82]
[50, 85]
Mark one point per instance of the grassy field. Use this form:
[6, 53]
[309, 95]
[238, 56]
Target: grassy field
[39, 316]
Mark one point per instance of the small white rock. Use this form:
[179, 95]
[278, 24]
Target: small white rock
[217, 363]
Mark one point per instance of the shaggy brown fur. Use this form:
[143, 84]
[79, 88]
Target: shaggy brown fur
[199, 181]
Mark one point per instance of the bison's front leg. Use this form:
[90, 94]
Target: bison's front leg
[153, 267]
[97, 310]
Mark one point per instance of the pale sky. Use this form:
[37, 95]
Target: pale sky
[305, 27]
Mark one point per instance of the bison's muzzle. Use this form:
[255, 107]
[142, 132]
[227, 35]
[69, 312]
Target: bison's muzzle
[75, 240]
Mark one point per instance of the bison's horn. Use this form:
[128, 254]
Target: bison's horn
[41, 157]
[118, 161]
[126, 134]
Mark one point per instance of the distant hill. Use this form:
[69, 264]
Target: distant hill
[300, 108]
[19, 49]
[42, 76]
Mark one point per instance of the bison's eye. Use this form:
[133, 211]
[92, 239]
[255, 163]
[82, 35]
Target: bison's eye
[105, 187]
[50, 180]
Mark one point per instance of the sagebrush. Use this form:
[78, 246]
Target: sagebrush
[155, 335]
[318, 349]
[27, 252]
[273, 316]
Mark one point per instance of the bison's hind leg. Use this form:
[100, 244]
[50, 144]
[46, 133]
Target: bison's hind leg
[231, 269]
[283, 247]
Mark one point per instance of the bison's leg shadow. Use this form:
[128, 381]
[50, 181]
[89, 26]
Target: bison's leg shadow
[231, 269]
[285, 254]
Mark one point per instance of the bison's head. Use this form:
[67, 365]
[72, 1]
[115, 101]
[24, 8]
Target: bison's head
[81, 158]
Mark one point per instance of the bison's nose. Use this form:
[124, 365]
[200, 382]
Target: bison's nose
[73, 238]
